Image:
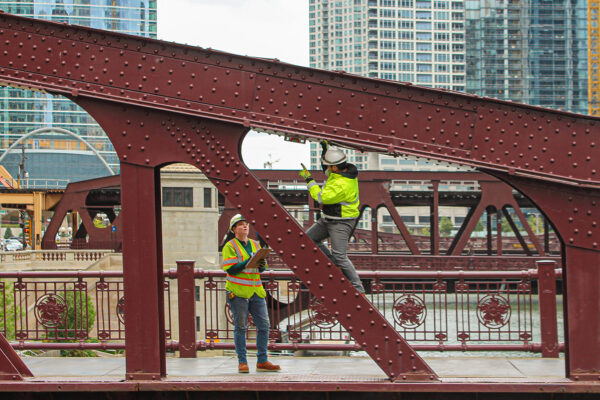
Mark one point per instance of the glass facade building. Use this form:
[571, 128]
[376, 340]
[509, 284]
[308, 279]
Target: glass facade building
[23, 111]
[532, 52]
[417, 41]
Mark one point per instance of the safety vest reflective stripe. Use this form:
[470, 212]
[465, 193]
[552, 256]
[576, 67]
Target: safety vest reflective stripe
[311, 184]
[319, 198]
[243, 281]
[345, 203]
[237, 248]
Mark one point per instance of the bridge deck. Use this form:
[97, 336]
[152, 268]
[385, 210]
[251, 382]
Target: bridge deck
[304, 369]
[350, 377]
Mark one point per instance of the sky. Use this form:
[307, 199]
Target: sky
[258, 28]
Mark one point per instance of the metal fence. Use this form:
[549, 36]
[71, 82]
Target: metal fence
[439, 310]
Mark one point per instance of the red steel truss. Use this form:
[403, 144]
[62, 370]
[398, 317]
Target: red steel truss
[87, 198]
[387, 189]
[162, 103]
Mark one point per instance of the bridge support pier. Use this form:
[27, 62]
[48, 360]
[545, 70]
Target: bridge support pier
[142, 273]
[573, 212]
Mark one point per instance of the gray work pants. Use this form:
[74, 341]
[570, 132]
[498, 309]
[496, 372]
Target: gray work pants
[338, 231]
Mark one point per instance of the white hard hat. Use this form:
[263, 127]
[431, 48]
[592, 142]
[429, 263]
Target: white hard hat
[234, 220]
[333, 156]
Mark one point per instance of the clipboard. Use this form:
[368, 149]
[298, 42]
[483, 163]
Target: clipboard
[260, 255]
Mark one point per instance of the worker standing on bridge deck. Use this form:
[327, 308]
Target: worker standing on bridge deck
[245, 293]
[339, 201]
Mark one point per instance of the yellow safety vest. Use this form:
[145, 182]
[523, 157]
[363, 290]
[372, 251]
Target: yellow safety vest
[248, 282]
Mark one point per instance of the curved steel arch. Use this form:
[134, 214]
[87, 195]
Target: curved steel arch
[64, 132]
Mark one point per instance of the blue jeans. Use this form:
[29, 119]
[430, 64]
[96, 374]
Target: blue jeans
[258, 309]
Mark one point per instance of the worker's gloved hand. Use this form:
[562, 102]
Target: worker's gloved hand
[262, 265]
[306, 175]
[324, 145]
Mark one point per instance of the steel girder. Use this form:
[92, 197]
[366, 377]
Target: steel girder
[161, 103]
[75, 199]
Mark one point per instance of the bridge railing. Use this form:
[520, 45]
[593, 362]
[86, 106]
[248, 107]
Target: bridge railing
[433, 310]
[52, 255]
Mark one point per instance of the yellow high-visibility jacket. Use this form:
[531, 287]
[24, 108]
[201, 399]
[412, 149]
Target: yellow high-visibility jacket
[339, 195]
[248, 282]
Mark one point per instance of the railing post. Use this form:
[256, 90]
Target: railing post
[547, 303]
[187, 309]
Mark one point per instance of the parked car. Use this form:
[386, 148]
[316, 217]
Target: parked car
[13, 245]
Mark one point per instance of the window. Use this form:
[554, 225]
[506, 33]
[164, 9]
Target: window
[388, 34]
[387, 66]
[177, 197]
[207, 197]
[409, 219]
[386, 23]
[423, 67]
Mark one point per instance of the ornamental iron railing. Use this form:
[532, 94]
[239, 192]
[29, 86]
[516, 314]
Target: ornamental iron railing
[433, 310]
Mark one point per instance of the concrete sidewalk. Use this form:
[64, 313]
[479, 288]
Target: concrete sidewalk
[310, 369]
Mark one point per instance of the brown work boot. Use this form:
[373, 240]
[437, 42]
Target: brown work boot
[243, 368]
[267, 367]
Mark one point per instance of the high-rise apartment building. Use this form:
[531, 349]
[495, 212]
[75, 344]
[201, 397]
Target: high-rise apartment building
[49, 154]
[419, 41]
[533, 52]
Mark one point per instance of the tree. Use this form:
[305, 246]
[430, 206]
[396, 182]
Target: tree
[7, 321]
[479, 227]
[506, 226]
[8, 233]
[446, 226]
[80, 317]
[533, 221]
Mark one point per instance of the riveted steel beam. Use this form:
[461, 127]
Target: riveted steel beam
[141, 90]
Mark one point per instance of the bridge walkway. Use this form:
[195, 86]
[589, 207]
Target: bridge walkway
[304, 369]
